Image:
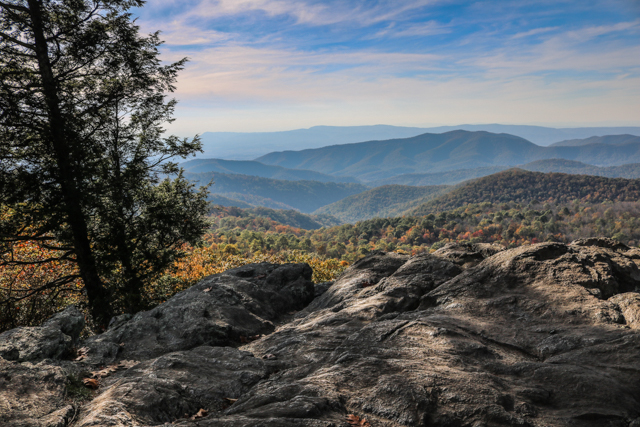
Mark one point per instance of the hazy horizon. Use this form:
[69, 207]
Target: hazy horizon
[276, 65]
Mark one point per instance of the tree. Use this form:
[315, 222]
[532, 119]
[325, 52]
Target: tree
[82, 104]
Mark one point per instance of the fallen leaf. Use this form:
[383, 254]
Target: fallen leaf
[262, 276]
[91, 383]
[104, 372]
[366, 284]
[201, 413]
[355, 420]
[126, 364]
[207, 290]
[228, 399]
[269, 357]
[81, 353]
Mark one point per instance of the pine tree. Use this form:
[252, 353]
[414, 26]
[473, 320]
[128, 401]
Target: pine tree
[82, 105]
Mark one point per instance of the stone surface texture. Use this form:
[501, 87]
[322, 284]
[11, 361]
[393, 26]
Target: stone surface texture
[469, 336]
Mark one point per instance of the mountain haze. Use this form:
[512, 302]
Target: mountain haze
[608, 139]
[253, 168]
[306, 196]
[381, 202]
[249, 145]
[376, 160]
[630, 171]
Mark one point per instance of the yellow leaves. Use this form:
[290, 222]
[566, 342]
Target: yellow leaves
[204, 261]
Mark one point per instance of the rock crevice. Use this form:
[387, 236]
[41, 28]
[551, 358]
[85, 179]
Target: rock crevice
[471, 335]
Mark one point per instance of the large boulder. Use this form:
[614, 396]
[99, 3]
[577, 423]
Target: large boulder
[537, 336]
[222, 309]
[53, 340]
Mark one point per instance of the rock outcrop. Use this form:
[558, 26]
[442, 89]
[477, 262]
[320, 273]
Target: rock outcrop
[542, 335]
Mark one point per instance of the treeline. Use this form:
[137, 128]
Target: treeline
[516, 185]
[265, 219]
[509, 224]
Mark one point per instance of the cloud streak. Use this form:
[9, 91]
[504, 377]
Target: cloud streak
[417, 61]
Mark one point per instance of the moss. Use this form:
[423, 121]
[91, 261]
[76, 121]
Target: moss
[76, 389]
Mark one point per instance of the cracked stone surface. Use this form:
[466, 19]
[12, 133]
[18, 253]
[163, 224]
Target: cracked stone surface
[471, 335]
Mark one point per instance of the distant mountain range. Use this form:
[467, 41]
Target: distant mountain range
[376, 160]
[631, 171]
[607, 139]
[305, 196]
[253, 168]
[248, 146]
[381, 202]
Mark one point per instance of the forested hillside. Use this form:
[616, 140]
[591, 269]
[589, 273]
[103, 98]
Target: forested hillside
[517, 185]
[508, 224]
[268, 219]
[607, 139]
[380, 202]
[629, 171]
[306, 196]
[253, 168]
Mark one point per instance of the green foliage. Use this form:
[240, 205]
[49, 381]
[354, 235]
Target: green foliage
[516, 185]
[381, 202]
[264, 219]
[76, 390]
[82, 109]
[508, 224]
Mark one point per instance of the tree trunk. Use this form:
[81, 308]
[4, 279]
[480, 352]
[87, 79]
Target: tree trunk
[68, 176]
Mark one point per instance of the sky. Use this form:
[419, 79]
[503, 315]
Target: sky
[269, 65]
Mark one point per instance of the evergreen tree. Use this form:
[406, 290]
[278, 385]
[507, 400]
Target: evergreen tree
[82, 105]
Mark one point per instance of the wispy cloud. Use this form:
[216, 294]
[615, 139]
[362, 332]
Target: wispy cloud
[534, 32]
[415, 61]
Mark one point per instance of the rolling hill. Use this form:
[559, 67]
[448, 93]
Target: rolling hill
[631, 171]
[253, 168]
[291, 218]
[608, 139]
[376, 160]
[306, 196]
[517, 185]
[381, 202]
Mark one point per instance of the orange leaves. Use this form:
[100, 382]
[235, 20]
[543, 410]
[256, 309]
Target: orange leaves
[200, 414]
[94, 382]
[91, 383]
[355, 420]
[81, 353]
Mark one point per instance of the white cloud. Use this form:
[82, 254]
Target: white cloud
[534, 32]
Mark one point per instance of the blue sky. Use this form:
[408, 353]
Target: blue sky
[262, 65]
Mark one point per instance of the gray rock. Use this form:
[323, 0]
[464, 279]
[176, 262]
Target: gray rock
[175, 385]
[467, 254]
[54, 339]
[33, 395]
[537, 336]
[220, 310]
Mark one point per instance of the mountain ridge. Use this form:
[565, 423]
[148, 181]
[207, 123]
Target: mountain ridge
[250, 145]
[376, 160]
